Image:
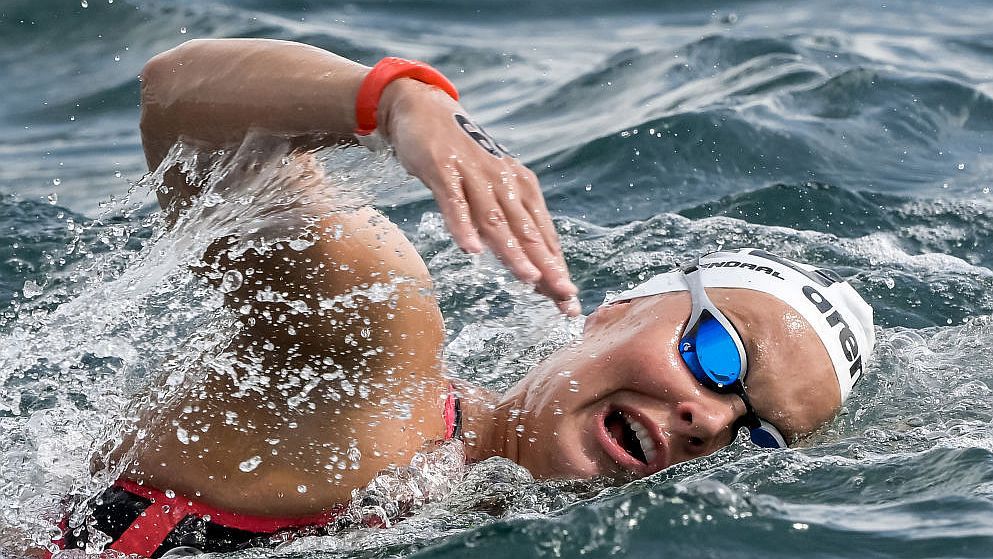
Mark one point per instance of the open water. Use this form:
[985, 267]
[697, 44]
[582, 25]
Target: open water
[848, 133]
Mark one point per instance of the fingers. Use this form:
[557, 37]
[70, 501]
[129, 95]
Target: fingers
[536, 206]
[502, 207]
[532, 236]
[569, 307]
[447, 186]
[493, 226]
[520, 232]
[558, 284]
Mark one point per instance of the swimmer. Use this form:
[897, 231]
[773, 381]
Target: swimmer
[665, 372]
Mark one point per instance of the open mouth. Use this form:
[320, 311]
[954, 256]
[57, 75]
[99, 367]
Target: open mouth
[631, 435]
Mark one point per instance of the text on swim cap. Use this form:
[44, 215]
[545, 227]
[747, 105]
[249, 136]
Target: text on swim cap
[823, 276]
[849, 344]
[746, 265]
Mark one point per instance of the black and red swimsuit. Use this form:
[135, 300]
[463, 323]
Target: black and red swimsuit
[145, 521]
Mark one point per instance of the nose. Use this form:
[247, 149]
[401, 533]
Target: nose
[701, 427]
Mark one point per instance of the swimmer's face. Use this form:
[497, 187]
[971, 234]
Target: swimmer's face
[621, 402]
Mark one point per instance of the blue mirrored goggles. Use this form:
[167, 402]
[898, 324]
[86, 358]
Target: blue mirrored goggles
[712, 350]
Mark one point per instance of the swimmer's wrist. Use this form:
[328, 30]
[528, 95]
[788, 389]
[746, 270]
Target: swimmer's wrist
[370, 104]
[400, 97]
[397, 97]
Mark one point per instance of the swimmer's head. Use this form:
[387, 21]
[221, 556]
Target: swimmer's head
[624, 401]
[838, 315]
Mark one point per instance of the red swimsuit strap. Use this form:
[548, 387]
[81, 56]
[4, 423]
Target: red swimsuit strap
[247, 522]
[149, 530]
[452, 414]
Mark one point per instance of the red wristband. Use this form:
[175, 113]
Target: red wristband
[384, 72]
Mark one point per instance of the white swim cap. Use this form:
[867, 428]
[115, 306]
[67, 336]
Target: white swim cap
[838, 315]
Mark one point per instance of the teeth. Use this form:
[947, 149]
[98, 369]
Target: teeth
[644, 438]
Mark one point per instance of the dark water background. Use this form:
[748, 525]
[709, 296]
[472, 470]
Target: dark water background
[851, 134]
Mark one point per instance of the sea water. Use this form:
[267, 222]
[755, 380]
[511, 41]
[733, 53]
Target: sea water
[851, 134]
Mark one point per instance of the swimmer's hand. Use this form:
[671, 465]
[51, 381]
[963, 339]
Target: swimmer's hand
[485, 194]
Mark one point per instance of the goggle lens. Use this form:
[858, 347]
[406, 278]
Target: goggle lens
[711, 355]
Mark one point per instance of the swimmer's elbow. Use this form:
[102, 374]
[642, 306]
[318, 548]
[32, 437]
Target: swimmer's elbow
[156, 69]
[164, 68]
[154, 76]
[158, 78]
[155, 141]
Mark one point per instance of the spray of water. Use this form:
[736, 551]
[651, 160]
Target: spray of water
[116, 323]
[131, 314]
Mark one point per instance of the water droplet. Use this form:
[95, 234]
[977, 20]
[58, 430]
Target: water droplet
[403, 411]
[57, 181]
[231, 281]
[84, 3]
[300, 244]
[53, 198]
[301, 489]
[31, 289]
[170, 493]
[961, 166]
[182, 435]
[117, 58]
[250, 464]
[182, 30]
[354, 454]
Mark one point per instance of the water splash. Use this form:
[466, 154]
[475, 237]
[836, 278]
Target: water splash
[122, 310]
[917, 432]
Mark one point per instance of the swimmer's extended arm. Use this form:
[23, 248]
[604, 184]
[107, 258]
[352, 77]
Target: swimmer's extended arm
[214, 91]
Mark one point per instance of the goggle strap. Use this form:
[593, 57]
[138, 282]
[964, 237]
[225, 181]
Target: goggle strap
[697, 298]
[750, 419]
[770, 430]
[702, 304]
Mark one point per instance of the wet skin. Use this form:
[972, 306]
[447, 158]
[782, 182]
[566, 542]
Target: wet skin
[624, 368]
[214, 93]
[627, 361]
